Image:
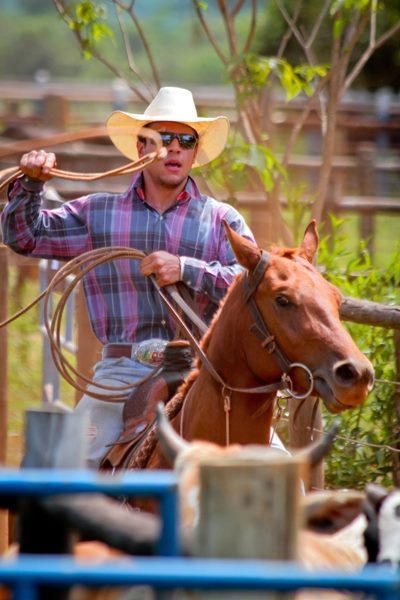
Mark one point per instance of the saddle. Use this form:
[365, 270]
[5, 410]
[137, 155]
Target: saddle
[139, 411]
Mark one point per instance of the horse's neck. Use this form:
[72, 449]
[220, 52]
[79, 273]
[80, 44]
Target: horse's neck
[206, 413]
[211, 413]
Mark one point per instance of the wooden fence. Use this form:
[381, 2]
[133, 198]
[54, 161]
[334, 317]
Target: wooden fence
[365, 170]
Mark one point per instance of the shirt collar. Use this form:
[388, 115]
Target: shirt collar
[189, 192]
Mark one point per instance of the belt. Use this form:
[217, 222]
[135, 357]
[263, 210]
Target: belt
[118, 350]
[148, 352]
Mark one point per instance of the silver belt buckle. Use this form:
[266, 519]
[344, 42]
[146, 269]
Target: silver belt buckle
[150, 352]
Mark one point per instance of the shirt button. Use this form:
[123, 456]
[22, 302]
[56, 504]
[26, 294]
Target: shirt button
[163, 322]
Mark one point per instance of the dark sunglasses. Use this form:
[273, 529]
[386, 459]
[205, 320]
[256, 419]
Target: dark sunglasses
[186, 140]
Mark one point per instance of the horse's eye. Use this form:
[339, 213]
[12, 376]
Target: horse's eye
[282, 301]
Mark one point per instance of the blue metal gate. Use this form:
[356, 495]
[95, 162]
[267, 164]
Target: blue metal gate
[169, 570]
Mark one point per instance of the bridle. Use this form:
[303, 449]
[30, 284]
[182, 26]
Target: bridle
[258, 328]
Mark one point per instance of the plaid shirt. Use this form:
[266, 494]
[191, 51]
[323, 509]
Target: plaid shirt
[123, 305]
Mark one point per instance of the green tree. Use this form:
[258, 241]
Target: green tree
[357, 29]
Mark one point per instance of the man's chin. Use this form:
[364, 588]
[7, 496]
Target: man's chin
[174, 181]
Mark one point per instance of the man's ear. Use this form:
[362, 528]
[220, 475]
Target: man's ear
[245, 251]
[141, 147]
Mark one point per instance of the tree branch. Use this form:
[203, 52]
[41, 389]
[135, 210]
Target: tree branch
[318, 24]
[128, 49]
[368, 53]
[229, 26]
[252, 30]
[236, 9]
[143, 39]
[208, 33]
[307, 52]
[61, 9]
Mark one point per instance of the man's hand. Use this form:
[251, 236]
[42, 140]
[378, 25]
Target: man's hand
[37, 164]
[164, 266]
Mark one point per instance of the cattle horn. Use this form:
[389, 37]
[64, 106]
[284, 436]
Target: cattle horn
[171, 443]
[317, 451]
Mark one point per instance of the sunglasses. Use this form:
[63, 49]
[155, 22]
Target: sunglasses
[186, 140]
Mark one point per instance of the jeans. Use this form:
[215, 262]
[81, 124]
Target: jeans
[105, 418]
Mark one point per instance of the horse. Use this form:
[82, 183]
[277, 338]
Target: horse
[277, 327]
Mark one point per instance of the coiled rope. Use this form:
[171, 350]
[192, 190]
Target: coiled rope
[72, 273]
[78, 268]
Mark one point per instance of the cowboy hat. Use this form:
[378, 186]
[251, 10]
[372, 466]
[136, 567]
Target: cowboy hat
[170, 104]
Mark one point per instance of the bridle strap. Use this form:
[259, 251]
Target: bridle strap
[261, 331]
[259, 328]
[252, 280]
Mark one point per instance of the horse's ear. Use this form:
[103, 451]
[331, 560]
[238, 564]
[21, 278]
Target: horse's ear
[309, 245]
[245, 251]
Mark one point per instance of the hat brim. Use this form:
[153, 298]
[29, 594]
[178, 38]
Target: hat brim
[123, 129]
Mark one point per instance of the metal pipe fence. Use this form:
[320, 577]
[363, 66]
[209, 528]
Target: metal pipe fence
[25, 573]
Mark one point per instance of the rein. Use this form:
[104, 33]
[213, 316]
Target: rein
[259, 329]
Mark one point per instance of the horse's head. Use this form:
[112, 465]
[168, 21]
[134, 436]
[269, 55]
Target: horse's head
[300, 311]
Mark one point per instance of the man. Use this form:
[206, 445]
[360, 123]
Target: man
[162, 213]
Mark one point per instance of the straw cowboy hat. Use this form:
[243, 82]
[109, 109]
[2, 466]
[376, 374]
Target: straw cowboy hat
[170, 104]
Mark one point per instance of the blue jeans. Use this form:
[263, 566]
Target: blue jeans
[105, 418]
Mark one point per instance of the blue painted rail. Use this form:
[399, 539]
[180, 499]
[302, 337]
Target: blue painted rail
[138, 484]
[24, 573]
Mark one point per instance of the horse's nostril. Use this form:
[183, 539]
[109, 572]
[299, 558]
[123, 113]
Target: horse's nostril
[346, 373]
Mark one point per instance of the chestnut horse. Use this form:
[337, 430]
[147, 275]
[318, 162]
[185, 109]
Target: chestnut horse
[278, 327]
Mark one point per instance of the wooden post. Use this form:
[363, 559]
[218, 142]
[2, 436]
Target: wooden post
[365, 153]
[249, 509]
[56, 111]
[3, 383]
[53, 439]
[88, 347]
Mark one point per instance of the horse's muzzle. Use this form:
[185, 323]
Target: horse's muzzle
[346, 385]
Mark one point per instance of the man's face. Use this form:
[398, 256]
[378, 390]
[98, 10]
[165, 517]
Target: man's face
[173, 170]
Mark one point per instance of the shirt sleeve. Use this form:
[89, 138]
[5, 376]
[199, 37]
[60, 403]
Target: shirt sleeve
[60, 233]
[214, 277]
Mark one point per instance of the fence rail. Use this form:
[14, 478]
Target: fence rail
[25, 573]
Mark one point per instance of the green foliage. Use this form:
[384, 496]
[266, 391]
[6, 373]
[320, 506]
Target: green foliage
[362, 453]
[89, 20]
[236, 166]
[293, 79]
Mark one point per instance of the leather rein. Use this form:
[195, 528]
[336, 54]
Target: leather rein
[258, 328]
